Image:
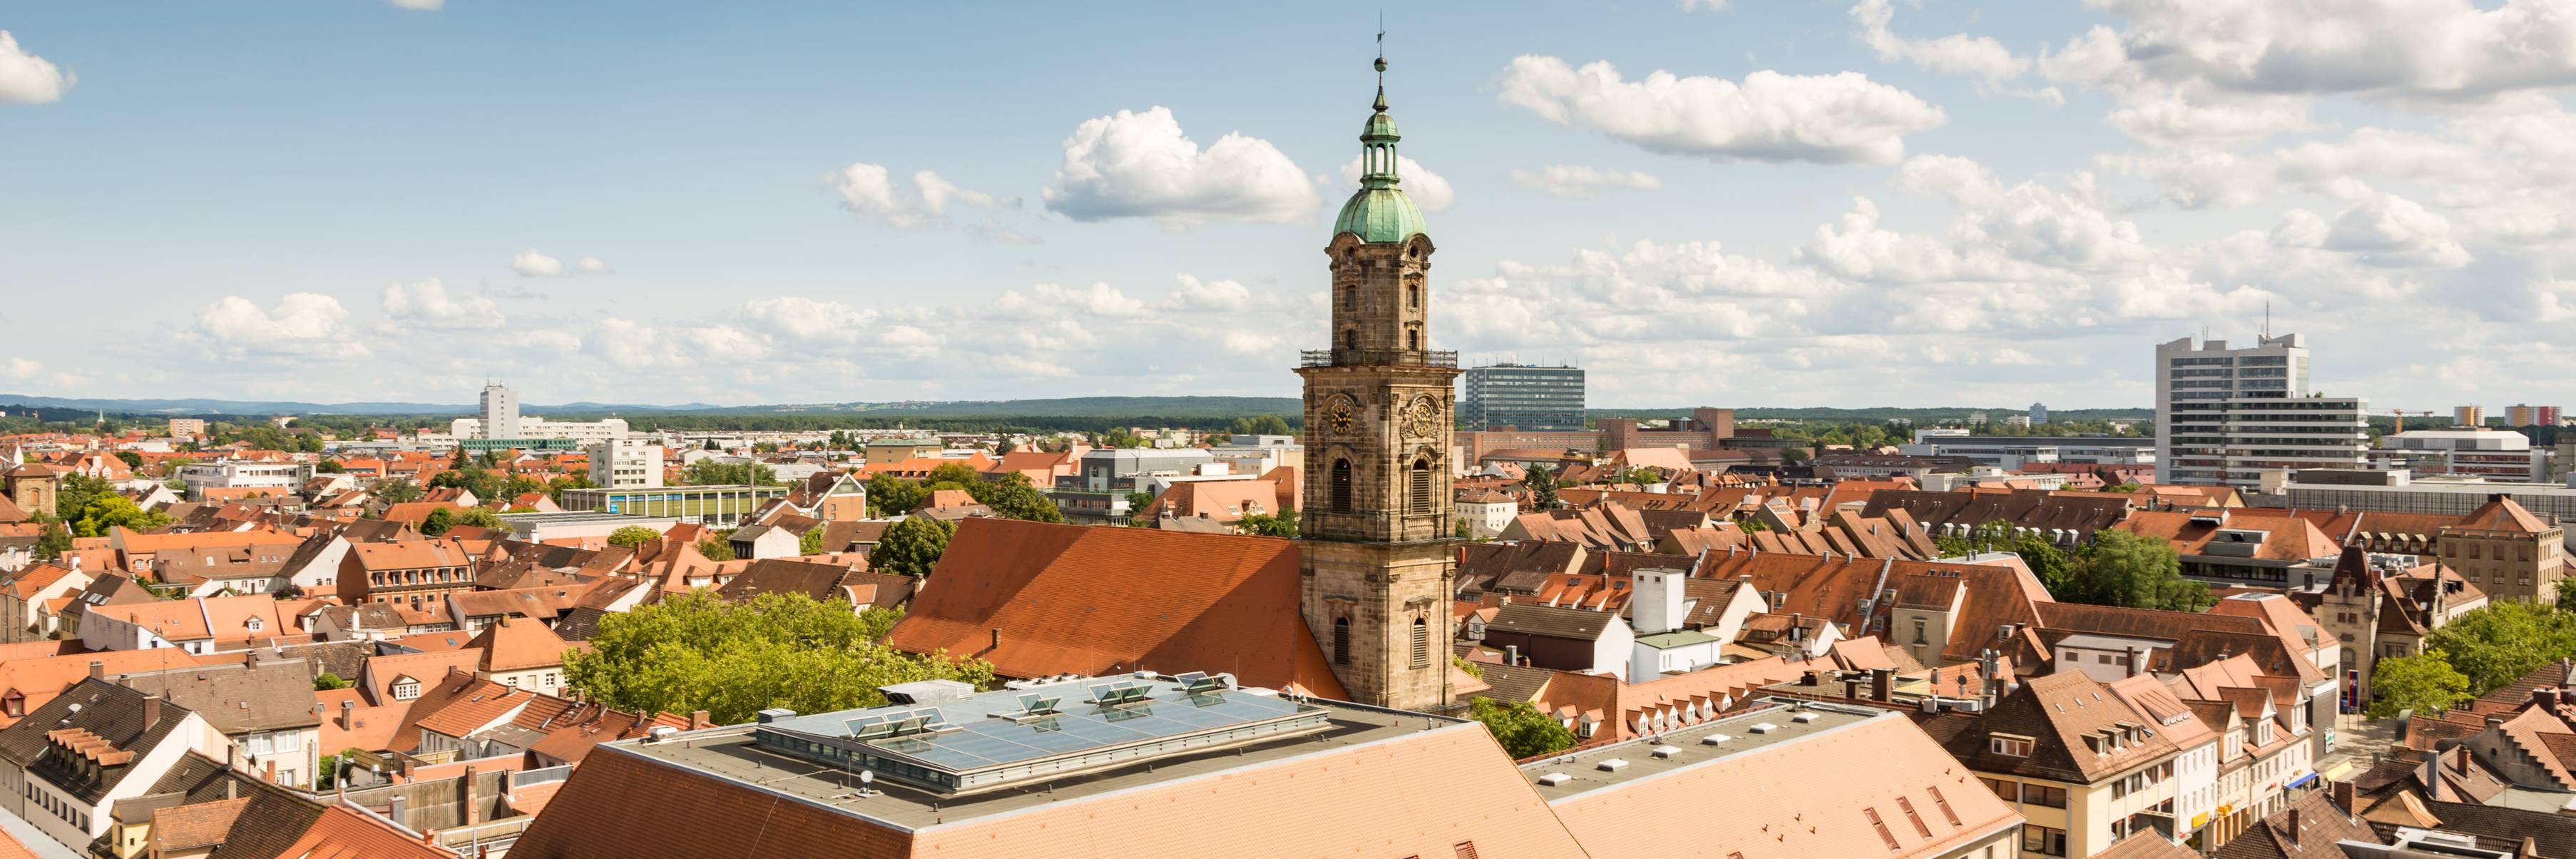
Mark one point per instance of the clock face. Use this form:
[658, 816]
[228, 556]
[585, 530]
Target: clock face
[1338, 416]
[1423, 418]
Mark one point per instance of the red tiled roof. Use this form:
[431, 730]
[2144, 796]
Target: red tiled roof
[1098, 601]
[343, 833]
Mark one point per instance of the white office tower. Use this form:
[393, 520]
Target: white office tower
[625, 463]
[500, 412]
[2225, 415]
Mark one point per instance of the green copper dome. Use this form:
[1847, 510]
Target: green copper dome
[1380, 213]
[1379, 216]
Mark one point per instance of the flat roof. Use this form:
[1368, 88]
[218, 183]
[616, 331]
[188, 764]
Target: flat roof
[678, 490]
[730, 753]
[1777, 722]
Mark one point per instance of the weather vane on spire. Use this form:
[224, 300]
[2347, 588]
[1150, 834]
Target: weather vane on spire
[1381, 62]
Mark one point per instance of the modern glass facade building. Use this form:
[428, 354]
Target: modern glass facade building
[1538, 399]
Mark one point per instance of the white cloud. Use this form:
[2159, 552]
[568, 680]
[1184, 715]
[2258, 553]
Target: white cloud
[1220, 295]
[1959, 54]
[21, 370]
[805, 319]
[1052, 300]
[870, 192]
[302, 325]
[1584, 182]
[1427, 189]
[2389, 230]
[1140, 165]
[1836, 118]
[419, 5]
[593, 265]
[427, 304]
[29, 79]
[533, 264]
[726, 344]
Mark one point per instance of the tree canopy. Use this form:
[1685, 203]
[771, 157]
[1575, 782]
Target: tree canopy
[105, 512]
[698, 652]
[632, 536]
[1261, 425]
[438, 521]
[911, 547]
[708, 472]
[2424, 683]
[2124, 569]
[1522, 729]
[2496, 644]
[1282, 525]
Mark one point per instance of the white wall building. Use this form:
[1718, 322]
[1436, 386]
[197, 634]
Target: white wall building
[2224, 415]
[500, 413]
[625, 464]
[2493, 454]
[532, 426]
[226, 475]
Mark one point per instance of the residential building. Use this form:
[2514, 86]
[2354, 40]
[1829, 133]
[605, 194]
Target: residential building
[411, 573]
[1266, 765]
[2504, 456]
[501, 425]
[1521, 397]
[2224, 415]
[1893, 791]
[187, 428]
[2507, 552]
[2382, 606]
[882, 451]
[34, 487]
[284, 477]
[2522, 415]
[24, 595]
[69, 762]
[2022, 421]
[500, 414]
[2079, 762]
[1245, 454]
[520, 653]
[1486, 511]
[2238, 545]
[625, 463]
[264, 708]
[197, 625]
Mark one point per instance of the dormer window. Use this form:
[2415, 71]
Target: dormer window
[2009, 746]
[253, 624]
[406, 691]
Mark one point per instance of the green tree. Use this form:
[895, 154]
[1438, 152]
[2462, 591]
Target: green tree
[954, 475]
[1522, 729]
[1261, 425]
[398, 491]
[911, 547]
[479, 517]
[130, 458]
[893, 496]
[52, 539]
[1541, 481]
[1265, 525]
[2125, 569]
[1122, 437]
[555, 488]
[438, 522]
[632, 536]
[2498, 643]
[1987, 537]
[327, 681]
[717, 548]
[1794, 455]
[2046, 562]
[1013, 497]
[2567, 593]
[2424, 683]
[71, 502]
[699, 652]
[708, 472]
[1138, 501]
[810, 542]
[106, 512]
[2131, 486]
[331, 466]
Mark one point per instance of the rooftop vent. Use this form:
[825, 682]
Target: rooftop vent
[775, 714]
[1665, 752]
[1763, 728]
[1714, 740]
[1804, 718]
[1611, 765]
[1554, 779]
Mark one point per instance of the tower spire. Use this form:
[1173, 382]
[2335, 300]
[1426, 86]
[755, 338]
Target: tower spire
[1381, 62]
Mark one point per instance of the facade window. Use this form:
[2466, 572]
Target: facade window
[1341, 486]
[1421, 643]
[1341, 641]
[406, 691]
[2043, 841]
[2018, 747]
[1413, 295]
[1412, 340]
[1421, 486]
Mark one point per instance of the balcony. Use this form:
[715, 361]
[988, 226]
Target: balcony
[1361, 357]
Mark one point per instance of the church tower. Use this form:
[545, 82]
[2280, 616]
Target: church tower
[1378, 558]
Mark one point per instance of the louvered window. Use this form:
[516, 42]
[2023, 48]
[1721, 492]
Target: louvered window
[1342, 486]
[1881, 826]
[1421, 486]
[1421, 643]
[1341, 641]
[1466, 849]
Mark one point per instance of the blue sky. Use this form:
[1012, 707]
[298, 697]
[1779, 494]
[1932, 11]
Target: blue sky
[1872, 203]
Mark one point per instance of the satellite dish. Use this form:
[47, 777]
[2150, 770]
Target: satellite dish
[867, 776]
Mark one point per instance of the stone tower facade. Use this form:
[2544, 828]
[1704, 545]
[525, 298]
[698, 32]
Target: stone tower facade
[1379, 406]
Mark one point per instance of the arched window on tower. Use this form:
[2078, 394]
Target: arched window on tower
[1413, 339]
[1341, 486]
[1351, 296]
[1413, 296]
[1421, 643]
[1350, 338]
[1421, 486]
[1341, 641]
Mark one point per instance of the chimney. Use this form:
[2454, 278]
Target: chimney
[151, 709]
[97, 670]
[2136, 656]
[997, 638]
[1512, 655]
[2545, 699]
[395, 807]
[473, 811]
[348, 715]
[2343, 796]
[230, 752]
[1882, 684]
[2294, 825]
[698, 720]
[230, 786]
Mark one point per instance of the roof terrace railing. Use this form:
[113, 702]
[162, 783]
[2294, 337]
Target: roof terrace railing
[1357, 357]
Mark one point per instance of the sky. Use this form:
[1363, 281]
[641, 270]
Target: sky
[1703, 202]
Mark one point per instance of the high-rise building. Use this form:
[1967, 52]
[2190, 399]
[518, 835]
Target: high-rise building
[1378, 559]
[625, 463]
[2469, 416]
[500, 412]
[2226, 415]
[2532, 416]
[1521, 397]
[2038, 414]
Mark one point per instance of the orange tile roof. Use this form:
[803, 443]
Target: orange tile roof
[40, 679]
[1810, 797]
[2503, 514]
[517, 644]
[343, 833]
[182, 827]
[1099, 601]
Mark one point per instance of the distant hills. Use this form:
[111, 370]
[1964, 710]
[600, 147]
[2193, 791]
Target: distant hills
[1066, 407]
